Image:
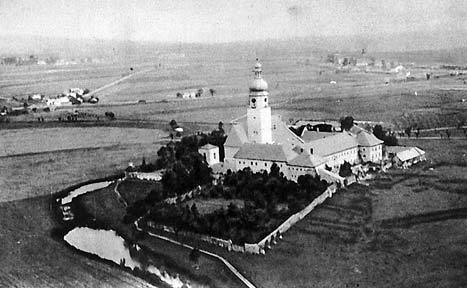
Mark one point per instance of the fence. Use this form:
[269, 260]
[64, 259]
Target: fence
[261, 246]
[183, 197]
[277, 233]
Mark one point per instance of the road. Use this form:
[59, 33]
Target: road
[118, 81]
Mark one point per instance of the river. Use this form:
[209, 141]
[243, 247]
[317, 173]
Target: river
[106, 244]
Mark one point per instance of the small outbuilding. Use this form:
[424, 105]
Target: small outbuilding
[210, 153]
[405, 156]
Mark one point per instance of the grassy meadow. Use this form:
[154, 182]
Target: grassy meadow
[28, 141]
[34, 175]
[339, 245]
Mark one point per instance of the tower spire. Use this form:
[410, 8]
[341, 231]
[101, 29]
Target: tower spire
[259, 111]
[257, 69]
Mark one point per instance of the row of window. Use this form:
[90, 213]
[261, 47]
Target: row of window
[256, 163]
[345, 153]
[375, 148]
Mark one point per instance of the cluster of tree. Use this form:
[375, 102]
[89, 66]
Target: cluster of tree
[347, 123]
[110, 115]
[241, 225]
[191, 144]
[266, 190]
[269, 198]
[384, 135]
[183, 171]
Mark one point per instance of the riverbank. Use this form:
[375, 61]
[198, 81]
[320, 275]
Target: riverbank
[31, 257]
[103, 206]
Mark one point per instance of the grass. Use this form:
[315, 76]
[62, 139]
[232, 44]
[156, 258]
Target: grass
[104, 206]
[346, 248]
[133, 190]
[296, 91]
[207, 206]
[331, 254]
[42, 174]
[23, 141]
[32, 258]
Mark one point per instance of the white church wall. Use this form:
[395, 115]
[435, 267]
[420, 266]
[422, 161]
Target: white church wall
[230, 153]
[296, 171]
[337, 159]
[372, 154]
[259, 125]
[258, 165]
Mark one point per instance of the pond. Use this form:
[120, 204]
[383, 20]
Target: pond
[106, 244]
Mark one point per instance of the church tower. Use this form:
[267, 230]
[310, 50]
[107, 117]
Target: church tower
[259, 112]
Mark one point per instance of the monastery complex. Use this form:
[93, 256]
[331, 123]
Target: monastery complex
[260, 139]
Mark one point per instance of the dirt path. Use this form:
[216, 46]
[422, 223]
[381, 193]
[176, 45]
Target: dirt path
[118, 81]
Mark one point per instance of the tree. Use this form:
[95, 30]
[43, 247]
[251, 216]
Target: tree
[380, 133]
[407, 131]
[212, 91]
[347, 122]
[275, 171]
[194, 210]
[195, 254]
[173, 124]
[199, 92]
[110, 115]
[220, 127]
[345, 170]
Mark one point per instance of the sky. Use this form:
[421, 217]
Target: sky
[218, 21]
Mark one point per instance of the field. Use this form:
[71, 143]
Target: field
[30, 175]
[341, 244]
[104, 206]
[32, 258]
[352, 241]
[21, 81]
[299, 85]
[57, 139]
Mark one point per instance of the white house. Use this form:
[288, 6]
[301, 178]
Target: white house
[210, 153]
[405, 156]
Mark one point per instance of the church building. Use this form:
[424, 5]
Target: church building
[260, 139]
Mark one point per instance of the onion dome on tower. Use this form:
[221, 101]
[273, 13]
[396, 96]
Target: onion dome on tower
[258, 84]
